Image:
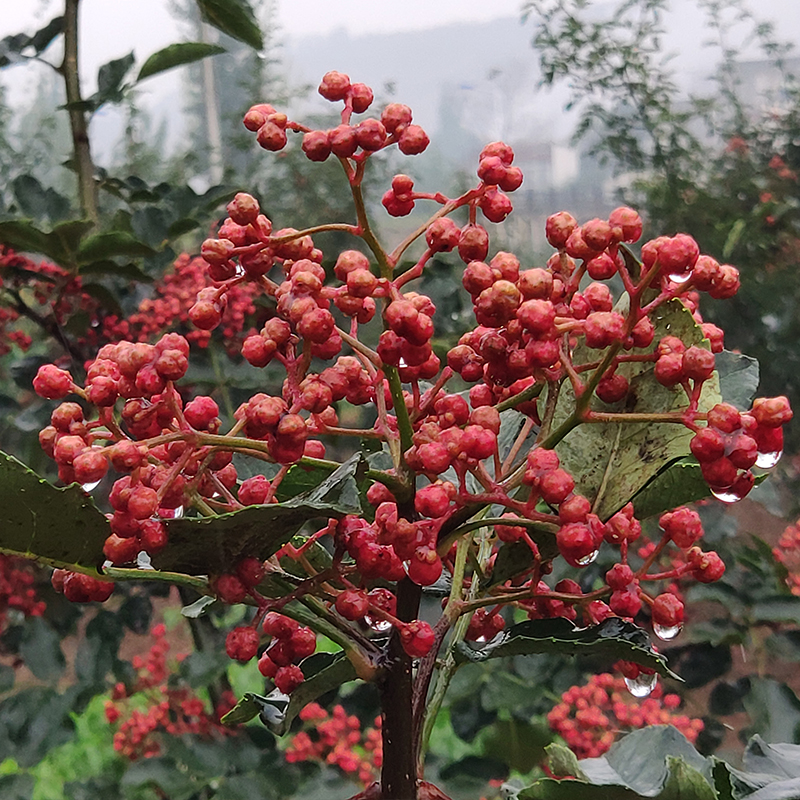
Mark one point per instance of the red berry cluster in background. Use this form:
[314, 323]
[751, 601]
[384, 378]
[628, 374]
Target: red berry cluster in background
[18, 590]
[174, 294]
[539, 330]
[589, 718]
[787, 553]
[172, 709]
[338, 739]
[40, 294]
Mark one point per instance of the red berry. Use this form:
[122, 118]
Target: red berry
[288, 678]
[417, 638]
[230, 589]
[241, 644]
[52, 383]
[334, 86]
[667, 611]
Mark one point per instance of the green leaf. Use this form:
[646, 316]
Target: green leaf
[774, 710]
[323, 672]
[772, 759]
[613, 639]
[654, 762]
[109, 80]
[162, 773]
[516, 557]
[23, 235]
[517, 743]
[777, 609]
[112, 243]
[41, 650]
[679, 483]
[41, 40]
[175, 55]
[36, 201]
[222, 541]
[234, 18]
[738, 378]
[562, 762]
[613, 461]
[60, 527]
[198, 608]
[300, 479]
[106, 298]
[129, 272]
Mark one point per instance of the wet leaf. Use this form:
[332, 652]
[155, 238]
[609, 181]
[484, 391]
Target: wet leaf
[60, 527]
[195, 543]
[613, 639]
[611, 462]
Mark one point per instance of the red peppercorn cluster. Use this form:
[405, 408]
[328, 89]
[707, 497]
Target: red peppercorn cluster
[540, 331]
[80, 588]
[17, 589]
[589, 718]
[172, 709]
[339, 740]
[733, 442]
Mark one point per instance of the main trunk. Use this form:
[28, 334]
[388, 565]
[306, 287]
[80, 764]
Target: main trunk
[399, 771]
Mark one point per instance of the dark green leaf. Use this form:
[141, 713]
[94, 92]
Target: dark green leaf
[40, 649]
[136, 613]
[129, 272]
[107, 299]
[323, 672]
[59, 527]
[517, 743]
[175, 55]
[7, 676]
[23, 235]
[38, 202]
[300, 479]
[34, 721]
[68, 235]
[678, 483]
[42, 38]
[222, 541]
[109, 80]
[162, 773]
[517, 557]
[234, 18]
[112, 243]
[16, 787]
[478, 769]
[738, 378]
[613, 639]
[97, 653]
[777, 609]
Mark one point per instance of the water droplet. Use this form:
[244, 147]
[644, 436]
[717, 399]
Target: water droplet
[87, 487]
[642, 684]
[726, 495]
[378, 625]
[768, 460]
[170, 513]
[680, 277]
[666, 633]
[588, 559]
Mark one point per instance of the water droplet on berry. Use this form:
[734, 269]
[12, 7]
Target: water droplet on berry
[680, 277]
[588, 559]
[666, 632]
[642, 684]
[378, 625]
[726, 495]
[768, 460]
[87, 487]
